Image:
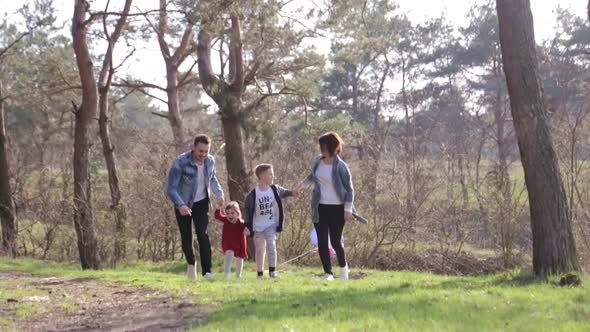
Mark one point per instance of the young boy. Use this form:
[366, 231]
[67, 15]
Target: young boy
[264, 217]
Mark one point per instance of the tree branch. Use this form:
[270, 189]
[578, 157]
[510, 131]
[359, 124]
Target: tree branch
[211, 83]
[236, 64]
[138, 85]
[161, 30]
[180, 51]
[184, 77]
[151, 95]
[4, 50]
[106, 72]
[284, 91]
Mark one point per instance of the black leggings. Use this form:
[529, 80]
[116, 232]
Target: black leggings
[332, 223]
[200, 217]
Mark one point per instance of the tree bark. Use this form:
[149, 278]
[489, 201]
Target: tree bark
[409, 147]
[173, 61]
[554, 250]
[228, 97]
[7, 211]
[83, 213]
[108, 150]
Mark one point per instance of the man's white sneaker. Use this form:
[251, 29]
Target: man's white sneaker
[344, 273]
[208, 276]
[274, 274]
[329, 277]
[191, 272]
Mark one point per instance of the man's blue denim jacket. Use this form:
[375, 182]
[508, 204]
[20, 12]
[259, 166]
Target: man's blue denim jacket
[182, 179]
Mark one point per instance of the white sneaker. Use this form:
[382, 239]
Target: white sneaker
[208, 276]
[191, 271]
[226, 275]
[274, 274]
[344, 273]
[329, 277]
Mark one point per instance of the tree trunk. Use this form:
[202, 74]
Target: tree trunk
[173, 61]
[554, 250]
[174, 117]
[463, 179]
[108, 150]
[410, 163]
[237, 176]
[83, 214]
[228, 97]
[7, 211]
[117, 205]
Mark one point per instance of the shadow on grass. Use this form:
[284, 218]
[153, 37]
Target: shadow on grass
[169, 267]
[504, 280]
[398, 304]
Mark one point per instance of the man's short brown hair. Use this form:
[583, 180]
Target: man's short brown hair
[202, 138]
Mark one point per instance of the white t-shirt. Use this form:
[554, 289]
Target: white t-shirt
[201, 193]
[266, 211]
[328, 193]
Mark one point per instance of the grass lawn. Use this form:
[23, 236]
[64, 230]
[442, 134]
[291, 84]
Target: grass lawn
[377, 301]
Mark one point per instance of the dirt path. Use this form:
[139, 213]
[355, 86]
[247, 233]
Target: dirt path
[35, 303]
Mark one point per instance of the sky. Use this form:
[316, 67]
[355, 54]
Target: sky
[417, 10]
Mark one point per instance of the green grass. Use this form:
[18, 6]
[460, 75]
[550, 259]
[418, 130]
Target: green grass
[10, 291]
[302, 301]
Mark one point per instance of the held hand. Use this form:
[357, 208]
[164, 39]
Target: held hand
[246, 232]
[348, 216]
[220, 202]
[185, 211]
[298, 190]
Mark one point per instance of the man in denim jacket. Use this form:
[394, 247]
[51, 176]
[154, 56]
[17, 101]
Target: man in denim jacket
[189, 180]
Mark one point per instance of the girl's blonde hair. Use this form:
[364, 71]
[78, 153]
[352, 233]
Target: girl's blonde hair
[235, 206]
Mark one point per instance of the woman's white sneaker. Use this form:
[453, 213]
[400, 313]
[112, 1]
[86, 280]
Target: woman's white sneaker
[329, 277]
[191, 272]
[344, 273]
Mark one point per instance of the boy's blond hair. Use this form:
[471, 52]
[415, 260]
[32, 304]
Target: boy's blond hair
[261, 168]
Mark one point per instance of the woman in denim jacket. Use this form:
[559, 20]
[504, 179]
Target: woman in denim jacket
[332, 201]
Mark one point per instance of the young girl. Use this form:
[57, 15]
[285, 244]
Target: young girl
[233, 240]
